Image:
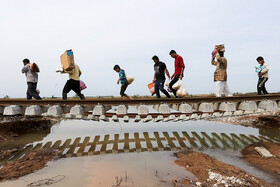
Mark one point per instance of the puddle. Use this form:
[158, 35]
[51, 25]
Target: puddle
[135, 169]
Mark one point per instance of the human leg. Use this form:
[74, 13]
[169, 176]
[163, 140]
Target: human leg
[174, 80]
[67, 88]
[76, 88]
[262, 85]
[226, 89]
[161, 88]
[219, 88]
[156, 87]
[32, 92]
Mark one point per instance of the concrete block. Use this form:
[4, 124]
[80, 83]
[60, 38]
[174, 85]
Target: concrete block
[164, 109]
[98, 110]
[227, 114]
[268, 105]
[55, 110]
[264, 152]
[172, 117]
[194, 117]
[248, 106]
[148, 118]
[126, 119]
[12, 110]
[142, 110]
[216, 115]
[155, 107]
[103, 118]
[115, 118]
[227, 107]
[159, 118]
[176, 119]
[248, 112]
[238, 112]
[185, 108]
[34, 110]
[90, 117]
[206, 107]
[205, 115]
[260, 110]
[137, 119]
[121, 110]
[77, 110]
[182, 116]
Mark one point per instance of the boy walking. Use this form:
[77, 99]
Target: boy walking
[179, 70]
[73, 83]
[159, 76]
[31, 79]
[123, 80]
[263, 76]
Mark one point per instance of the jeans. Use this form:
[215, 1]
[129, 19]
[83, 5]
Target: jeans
[74, 85]
[261, 85]
[174, 80]
[159, 85]
[31, 91]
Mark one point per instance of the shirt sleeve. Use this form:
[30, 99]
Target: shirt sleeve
[25, 68]
[181, 61]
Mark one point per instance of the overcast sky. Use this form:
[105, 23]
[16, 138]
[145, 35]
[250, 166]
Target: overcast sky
[129, 32]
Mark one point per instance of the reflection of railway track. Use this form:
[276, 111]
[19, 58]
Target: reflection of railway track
[118, 101]
[144, 142]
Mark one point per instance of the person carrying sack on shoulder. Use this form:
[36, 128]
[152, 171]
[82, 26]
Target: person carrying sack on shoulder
[179, 70]
[123, 80]
[31, 79]
[263, 76]
[73, 83]
[220, 74]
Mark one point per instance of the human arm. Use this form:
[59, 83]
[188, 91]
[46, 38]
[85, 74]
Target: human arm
[181, 74]
[167, 73]
[25, 68]
[154, 77]
[183, 68]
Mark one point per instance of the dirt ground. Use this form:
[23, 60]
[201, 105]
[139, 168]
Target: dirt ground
[211, 172]
[272, 165]
[28, 164]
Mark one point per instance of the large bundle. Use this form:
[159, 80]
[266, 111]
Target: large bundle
[67, 60]
[177, 85]
[220, 47]
[34, 67]
[182, 92]
[129, 79]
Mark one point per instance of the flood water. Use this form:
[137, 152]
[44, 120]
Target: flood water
[142, 156]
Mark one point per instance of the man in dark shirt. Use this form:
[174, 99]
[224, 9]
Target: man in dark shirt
[179, 70]
[159, 77]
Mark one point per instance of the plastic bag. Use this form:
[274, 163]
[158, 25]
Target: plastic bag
[59, 68]
[82, 85]
[129, 79]
[182, 92]
[168, 82]
[151, 87]
[177, 85]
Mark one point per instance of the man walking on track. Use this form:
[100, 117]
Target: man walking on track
[32, 79]
[159, 77]
[179, 70]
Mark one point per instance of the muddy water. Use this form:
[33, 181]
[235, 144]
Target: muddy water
[135, 169]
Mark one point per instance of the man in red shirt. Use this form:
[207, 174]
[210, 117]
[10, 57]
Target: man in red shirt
[179, 70]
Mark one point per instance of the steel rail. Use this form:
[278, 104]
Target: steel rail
[137, 101]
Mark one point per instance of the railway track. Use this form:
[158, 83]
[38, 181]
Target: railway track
[137, 101]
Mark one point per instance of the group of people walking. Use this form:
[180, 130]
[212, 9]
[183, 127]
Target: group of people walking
[218, 60]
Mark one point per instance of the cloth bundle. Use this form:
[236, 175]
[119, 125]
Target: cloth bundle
[259, 68]
[129, 79]
[82, 85]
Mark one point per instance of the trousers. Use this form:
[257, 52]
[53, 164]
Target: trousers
[261, 85]
[222, 88]
[74, 85]
[174, 80]
[159, 86]
[31, 91]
